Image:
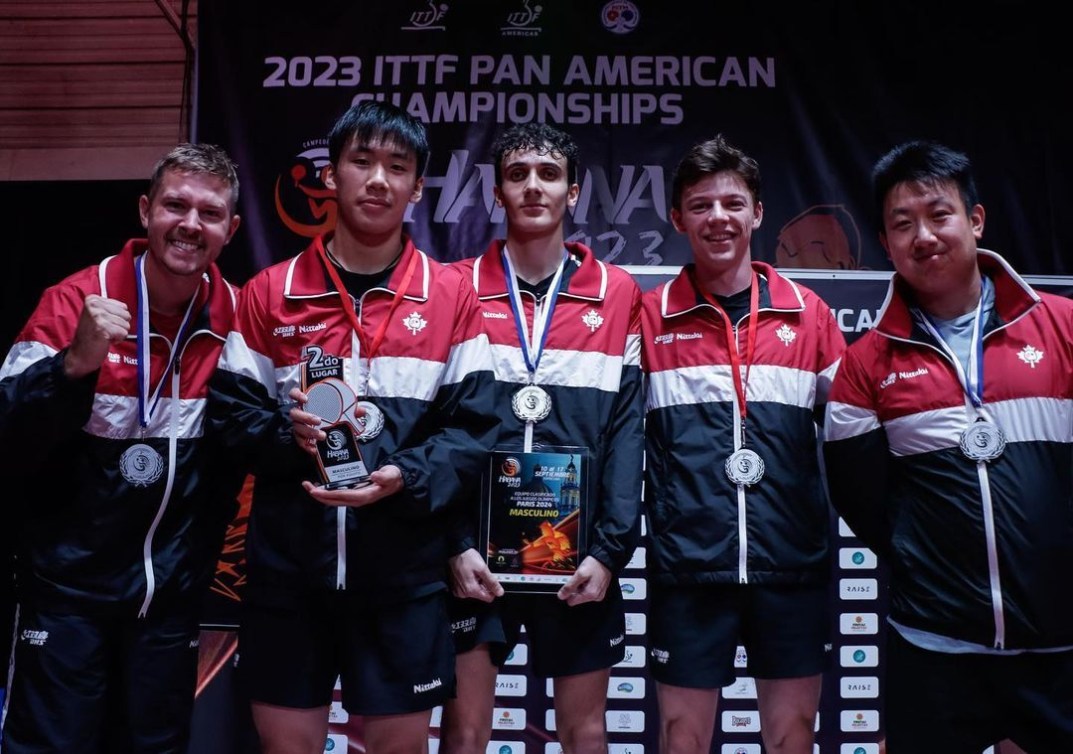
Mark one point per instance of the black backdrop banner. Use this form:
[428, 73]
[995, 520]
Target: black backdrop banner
[815, 91]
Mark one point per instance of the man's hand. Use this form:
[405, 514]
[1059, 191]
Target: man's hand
[304, 425]
[103, 321]
[472, 579]
[588, 584]
[385, 481]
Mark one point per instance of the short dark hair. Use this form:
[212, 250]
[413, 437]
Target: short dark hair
[540, 137]
[190, 158]
[714, 156]
[924, 162]
[370, 121]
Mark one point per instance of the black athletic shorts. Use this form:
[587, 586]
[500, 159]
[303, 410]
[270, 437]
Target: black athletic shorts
[939, 703]
[390, 658]
[101, 682]
[694, 631]
[562, 640]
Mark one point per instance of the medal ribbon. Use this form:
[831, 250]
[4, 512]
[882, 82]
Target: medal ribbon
[146, 402]
[533, 349]
[740, 382]
[972, 383]
[368, 347]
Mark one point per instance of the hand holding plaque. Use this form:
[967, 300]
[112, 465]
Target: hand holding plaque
[338, 454]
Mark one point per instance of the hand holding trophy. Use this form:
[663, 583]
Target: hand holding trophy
[338, 455]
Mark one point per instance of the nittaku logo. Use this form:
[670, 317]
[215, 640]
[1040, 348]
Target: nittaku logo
[620, 16]
[494, 315]
[421, 688]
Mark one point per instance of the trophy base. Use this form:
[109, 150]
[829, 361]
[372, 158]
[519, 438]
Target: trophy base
[346, 484]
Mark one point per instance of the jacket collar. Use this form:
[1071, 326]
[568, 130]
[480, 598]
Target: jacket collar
[308, 278]
[1013, 298]
[588, 280]
[777, 293]
[215, 304]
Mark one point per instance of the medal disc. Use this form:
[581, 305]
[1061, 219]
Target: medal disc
[141, 465]
[371, 423]
[531, 404]
[983, 441]
[744, 466]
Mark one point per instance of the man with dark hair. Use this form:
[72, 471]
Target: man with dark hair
[949, 449]
[102, 399]
[738, 361]
[563, 328]
[355, 587]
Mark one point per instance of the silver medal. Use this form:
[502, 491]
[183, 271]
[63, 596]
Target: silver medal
[141, 465]
[983, 441]
[531, 404]
[371, 423]
[744, 466]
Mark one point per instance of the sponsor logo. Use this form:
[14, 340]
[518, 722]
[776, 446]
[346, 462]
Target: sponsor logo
[620, 16]
[615, 641]
[893, 377]
[465, 626]
[662, 656]
[285, 331]
[865, 687]
[857, 589]
[1030, 356]
[415, 323]
[689, 336]
[421, 688]
[859, 623]
[662, 340]
[312, 328]
[494, 315]
[36, 638]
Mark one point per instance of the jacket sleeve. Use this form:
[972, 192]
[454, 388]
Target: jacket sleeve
[616, 526]
[832, 345]
[855, 452]
[444, 470]
[40, 407]
[244, 412]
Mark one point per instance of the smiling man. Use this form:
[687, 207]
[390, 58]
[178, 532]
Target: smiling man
[950, 453]
[738, 362]
[102, 403]
[350, 582]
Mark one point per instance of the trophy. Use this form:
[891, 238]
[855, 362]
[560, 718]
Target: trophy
[338, 455]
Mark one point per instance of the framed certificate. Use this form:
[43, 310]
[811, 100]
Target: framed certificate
[534, 518]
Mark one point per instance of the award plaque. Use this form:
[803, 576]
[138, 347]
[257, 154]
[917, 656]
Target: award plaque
[338, 455]
[535, 517]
